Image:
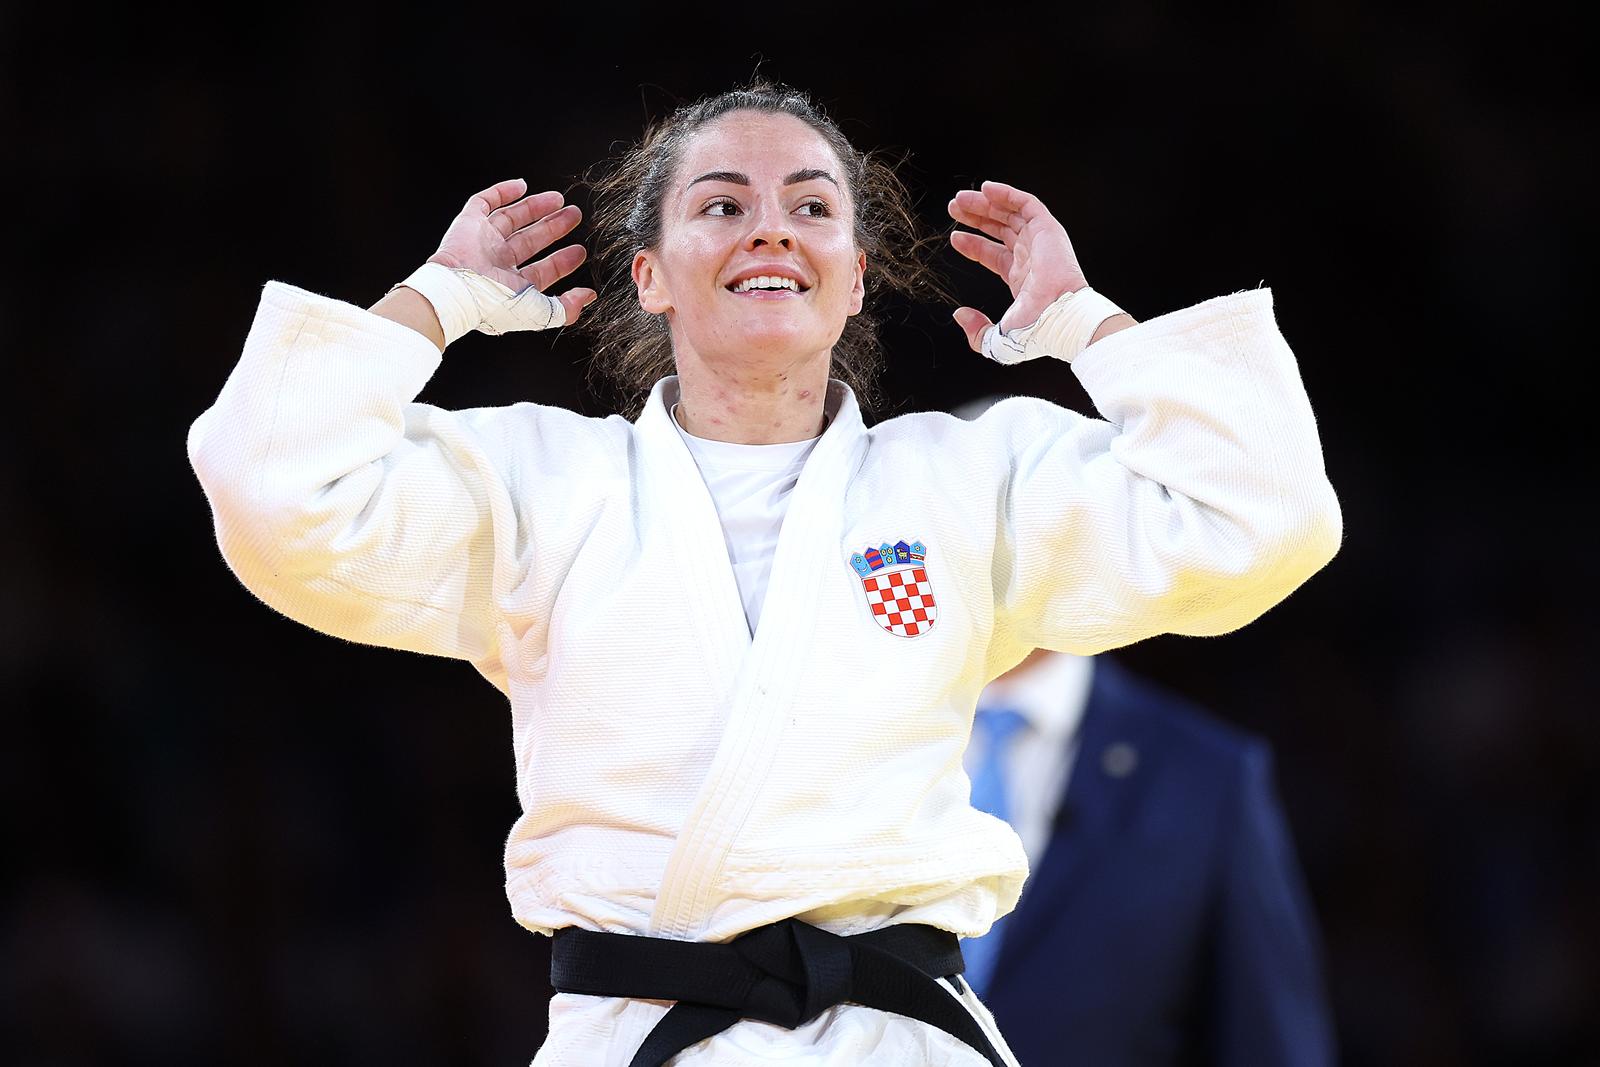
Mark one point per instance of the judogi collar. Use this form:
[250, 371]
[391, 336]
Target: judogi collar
[761, 674]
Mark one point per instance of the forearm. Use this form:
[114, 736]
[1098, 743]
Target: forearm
[1113, 325]
[1198, 502]
[319, 393]
[1208, 406]
[410, 308]
[336, 498]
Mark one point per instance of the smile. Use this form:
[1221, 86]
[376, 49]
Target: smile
[771, 284]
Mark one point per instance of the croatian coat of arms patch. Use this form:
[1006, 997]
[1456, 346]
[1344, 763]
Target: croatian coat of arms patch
[895, 580]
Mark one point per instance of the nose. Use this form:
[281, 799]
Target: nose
[769, 225]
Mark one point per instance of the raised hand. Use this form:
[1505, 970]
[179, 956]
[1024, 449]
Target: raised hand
[1030, 251]
[495, 232]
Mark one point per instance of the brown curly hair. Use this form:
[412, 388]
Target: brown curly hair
[631, 349]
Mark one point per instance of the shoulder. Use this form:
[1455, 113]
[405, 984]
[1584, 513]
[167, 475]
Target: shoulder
[1000, 418]
[1008, 427]
[549, 439]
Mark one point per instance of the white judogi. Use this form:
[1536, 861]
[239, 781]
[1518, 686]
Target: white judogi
[678, 777]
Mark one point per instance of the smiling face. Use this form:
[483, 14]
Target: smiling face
[757, 266]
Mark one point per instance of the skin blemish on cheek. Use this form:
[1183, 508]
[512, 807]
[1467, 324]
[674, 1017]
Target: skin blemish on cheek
[804, 393]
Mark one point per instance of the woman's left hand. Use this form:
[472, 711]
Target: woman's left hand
[1030, 251]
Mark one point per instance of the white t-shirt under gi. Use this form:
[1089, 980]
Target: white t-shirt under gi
[750, 486]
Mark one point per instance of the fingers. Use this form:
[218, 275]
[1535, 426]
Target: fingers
[973, 323]
[1010, 199]
[495, 197]
[983, 251]
[573, 301]
[1024, 310]
[514, 216]
[552, 268]
[1027, 243]
[971, 208]
[997, 209]
[531, 240]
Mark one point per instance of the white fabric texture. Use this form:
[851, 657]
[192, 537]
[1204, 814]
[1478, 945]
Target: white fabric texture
[749, 487]
[679, 777]
[464, 300]
[1063, 330]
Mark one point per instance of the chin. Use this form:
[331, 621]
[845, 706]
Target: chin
[775, 338]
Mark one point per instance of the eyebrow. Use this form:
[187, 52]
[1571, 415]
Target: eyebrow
[739, 178]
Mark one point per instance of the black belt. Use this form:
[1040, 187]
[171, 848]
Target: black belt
[787, 973]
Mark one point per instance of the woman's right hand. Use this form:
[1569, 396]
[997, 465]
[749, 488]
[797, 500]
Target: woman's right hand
[495, 232]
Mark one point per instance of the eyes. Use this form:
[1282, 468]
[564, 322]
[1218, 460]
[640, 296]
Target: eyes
[725, 208]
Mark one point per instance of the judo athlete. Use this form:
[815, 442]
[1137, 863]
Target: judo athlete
[741, 633]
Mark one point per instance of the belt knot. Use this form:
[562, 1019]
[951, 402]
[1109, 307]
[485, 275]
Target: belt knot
[796, 972]
[786, 973]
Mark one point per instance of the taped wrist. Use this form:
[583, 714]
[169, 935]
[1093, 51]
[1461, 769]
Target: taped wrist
[1063, 330]
[465, 301]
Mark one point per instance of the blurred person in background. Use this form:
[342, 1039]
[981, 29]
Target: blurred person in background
[1165, 919]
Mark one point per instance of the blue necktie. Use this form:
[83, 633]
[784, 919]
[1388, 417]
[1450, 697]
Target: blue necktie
[999, 726]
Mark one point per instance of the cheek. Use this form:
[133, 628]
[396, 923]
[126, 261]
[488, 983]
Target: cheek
[692, 257]
[842, 266]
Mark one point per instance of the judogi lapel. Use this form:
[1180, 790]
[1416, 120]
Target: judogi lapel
[767, 669]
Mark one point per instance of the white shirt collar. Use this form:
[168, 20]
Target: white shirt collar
[1051, 694]
[729, 455]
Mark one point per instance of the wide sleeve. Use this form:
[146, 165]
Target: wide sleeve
[338, 500]
[1196, 503]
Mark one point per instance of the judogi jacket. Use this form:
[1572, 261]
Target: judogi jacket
[678, 778]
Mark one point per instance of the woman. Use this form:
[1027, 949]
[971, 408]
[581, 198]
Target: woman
[742, 634]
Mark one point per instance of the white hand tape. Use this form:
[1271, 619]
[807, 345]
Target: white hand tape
[1063, 330]
[465, 301]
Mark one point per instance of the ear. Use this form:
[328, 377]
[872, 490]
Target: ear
[652, 288]
[858, 289]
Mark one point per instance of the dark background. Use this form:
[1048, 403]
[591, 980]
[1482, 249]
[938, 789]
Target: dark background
[230, 839]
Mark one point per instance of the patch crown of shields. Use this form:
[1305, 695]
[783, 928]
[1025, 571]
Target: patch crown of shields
[895, 581]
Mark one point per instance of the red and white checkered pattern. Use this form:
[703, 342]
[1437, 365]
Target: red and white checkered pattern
[901, 601]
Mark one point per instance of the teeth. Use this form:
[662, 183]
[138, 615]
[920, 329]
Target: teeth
[766, 281]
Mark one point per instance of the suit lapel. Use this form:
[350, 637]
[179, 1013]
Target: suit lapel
[1096, 807]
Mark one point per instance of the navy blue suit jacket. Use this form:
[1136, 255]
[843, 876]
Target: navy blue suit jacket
[1167, 921]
